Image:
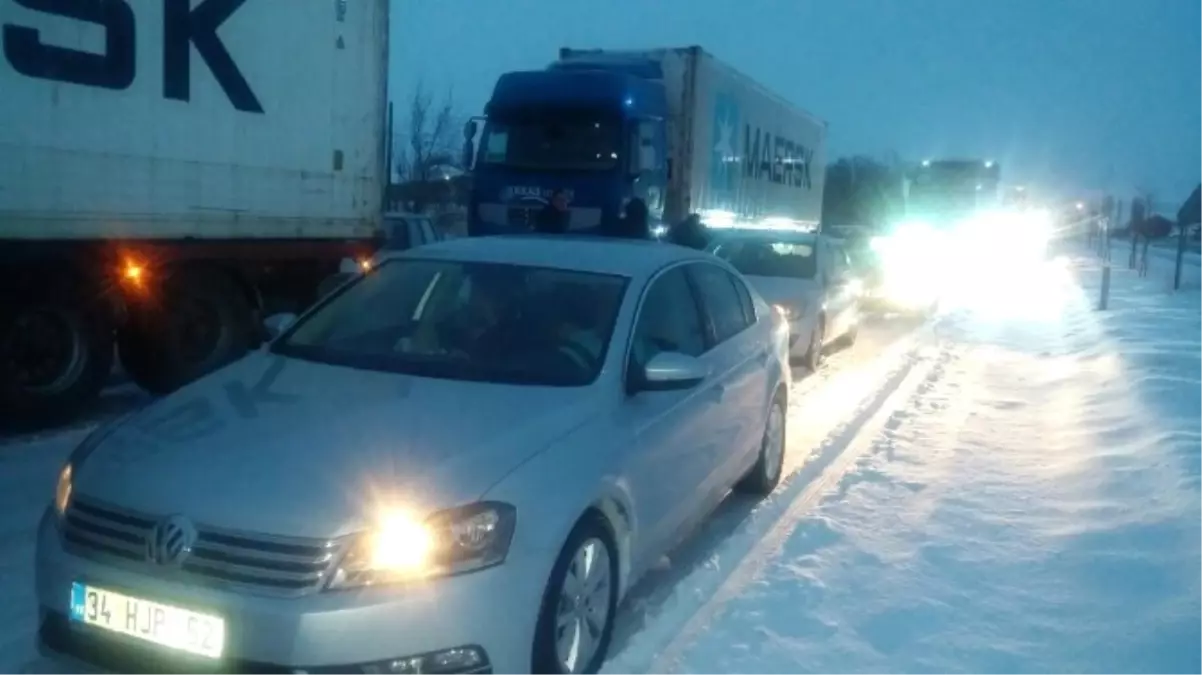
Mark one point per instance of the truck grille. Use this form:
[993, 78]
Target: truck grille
[520, 216]
[269, 564]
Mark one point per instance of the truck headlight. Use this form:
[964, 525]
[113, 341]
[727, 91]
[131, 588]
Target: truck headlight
[402, 548]
[62, 490]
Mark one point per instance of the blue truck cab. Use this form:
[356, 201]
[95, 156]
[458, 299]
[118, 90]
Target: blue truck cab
[591, 124]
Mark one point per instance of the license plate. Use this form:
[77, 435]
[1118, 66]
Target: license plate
[165, 625]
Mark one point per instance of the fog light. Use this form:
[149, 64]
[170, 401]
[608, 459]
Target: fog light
[454, 660]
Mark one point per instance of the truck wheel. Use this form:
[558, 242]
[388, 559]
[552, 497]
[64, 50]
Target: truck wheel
[201, 322]
[56, 353]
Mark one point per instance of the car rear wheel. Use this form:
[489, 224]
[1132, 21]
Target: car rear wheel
[766, 474]
[813, 355]
[575, 624]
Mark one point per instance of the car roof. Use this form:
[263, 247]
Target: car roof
[765, 234]
[585, 253]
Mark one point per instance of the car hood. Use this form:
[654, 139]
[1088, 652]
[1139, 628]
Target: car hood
[786, 291]
[282, 446]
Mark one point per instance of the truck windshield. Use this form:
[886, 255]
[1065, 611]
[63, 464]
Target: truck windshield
[551, 139]
[933, 200]
[483, 322]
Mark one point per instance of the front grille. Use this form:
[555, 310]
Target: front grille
[276, 565]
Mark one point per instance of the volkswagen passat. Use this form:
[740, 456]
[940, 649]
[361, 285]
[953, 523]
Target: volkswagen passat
[458, 462]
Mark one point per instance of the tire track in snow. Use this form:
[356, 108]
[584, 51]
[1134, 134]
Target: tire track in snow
[919, 373]
[914, 366]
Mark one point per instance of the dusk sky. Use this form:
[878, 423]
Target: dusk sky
[1075, 94]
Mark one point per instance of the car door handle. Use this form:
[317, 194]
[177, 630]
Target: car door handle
[717, 392]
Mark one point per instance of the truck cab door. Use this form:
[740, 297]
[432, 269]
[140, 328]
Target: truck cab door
[649, 165]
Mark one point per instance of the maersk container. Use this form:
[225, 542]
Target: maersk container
[676, 128]
[744, 153]
[276, 134]
[157, 157]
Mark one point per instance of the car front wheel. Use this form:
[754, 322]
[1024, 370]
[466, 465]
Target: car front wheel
[765, 475]
[575, 624]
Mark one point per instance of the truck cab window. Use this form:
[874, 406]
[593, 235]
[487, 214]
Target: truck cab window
[550, 139]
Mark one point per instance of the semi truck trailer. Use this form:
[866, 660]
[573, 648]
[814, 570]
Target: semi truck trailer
[676, 128]
[171, 172]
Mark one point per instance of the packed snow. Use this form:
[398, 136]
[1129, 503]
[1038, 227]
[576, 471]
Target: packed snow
[1030, 505]
[1013, 487]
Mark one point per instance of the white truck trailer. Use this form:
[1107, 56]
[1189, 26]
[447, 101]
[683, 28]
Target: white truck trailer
[172, 171]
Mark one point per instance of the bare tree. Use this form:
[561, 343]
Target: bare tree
[428, 147]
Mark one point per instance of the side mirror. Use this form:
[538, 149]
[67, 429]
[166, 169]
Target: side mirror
[671, 371]
[278, 323]
[469, 143]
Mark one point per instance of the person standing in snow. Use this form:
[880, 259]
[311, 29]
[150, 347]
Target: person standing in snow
[554, 217]
[689, 232]
[634, 221]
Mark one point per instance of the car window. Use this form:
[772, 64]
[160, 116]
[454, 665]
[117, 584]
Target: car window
[770, 257]
[720, 300]
[839, 263]
[397, 235]
[467, 321]
[745, 299]
[427, 230]
[669, 320]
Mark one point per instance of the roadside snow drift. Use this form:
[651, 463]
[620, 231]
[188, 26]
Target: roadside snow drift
[1033, 506]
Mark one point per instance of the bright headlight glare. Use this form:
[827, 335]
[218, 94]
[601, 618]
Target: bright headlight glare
[790, 312]
[62, 490]
[402, 548]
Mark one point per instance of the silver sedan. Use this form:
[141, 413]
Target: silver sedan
[457, 462]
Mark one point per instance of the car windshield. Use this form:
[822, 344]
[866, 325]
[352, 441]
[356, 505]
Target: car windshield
[768, 258]
[551, 140]
[466, 321]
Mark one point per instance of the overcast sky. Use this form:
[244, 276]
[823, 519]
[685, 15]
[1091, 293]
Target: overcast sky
[1082, 94]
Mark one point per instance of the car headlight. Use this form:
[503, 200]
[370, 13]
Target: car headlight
[791, 312]
[62, 490]
[402, 548]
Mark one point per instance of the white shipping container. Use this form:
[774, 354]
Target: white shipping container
[143, 138]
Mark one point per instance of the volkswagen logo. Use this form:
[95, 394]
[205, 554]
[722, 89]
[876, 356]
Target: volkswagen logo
[170, 541]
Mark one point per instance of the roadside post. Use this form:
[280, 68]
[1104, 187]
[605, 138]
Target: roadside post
[1104, 300]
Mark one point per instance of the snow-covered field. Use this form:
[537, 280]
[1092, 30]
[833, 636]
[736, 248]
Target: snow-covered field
[1014, 488]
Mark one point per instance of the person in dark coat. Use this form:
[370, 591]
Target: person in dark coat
[634, 223]
[689, 232]
[554, 217]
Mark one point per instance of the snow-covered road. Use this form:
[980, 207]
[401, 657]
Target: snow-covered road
[1024, 498]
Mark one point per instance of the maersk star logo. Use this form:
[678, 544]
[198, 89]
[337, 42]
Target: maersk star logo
[724, 160]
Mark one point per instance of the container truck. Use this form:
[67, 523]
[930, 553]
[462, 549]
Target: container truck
[677, 128]
[170, 173]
